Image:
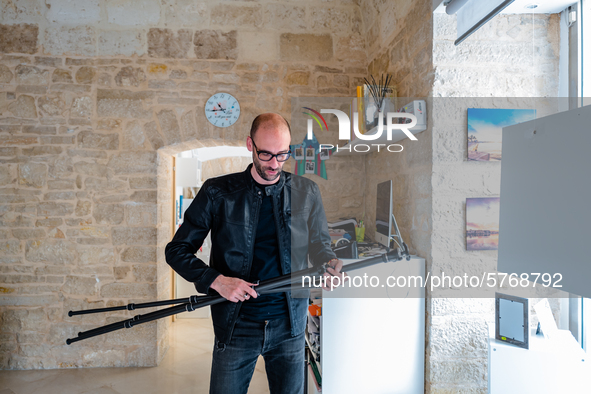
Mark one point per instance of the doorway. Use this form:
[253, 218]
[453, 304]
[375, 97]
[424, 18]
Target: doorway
[191, 169]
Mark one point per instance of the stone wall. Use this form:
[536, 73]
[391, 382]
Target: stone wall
[500, 60]
[95, 98]
[399, 43]
[343, 191]
[511, 56]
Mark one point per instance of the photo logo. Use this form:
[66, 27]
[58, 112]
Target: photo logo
[315, 117]
[394, 121]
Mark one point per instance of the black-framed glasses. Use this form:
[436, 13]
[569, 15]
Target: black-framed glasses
[268, 156]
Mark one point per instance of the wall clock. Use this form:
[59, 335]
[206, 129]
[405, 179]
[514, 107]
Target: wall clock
[222, 110]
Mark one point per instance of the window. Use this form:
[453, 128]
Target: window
[586, 324]
[584, 52]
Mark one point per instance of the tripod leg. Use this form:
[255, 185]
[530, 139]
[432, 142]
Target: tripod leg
[128, 323]
[276, 284]
[139, 319]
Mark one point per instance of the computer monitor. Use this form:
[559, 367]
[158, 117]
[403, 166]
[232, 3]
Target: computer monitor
[384, 213]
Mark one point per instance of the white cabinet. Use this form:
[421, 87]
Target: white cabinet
[373, 339]
[552, 366]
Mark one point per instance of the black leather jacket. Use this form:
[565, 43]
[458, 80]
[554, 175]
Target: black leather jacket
[229, 206]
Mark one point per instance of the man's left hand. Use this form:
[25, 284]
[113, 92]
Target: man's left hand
[334, 269]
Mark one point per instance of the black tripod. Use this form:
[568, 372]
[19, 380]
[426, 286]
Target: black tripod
[280, 284]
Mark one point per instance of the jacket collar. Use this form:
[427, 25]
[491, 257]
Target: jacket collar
[270, 189]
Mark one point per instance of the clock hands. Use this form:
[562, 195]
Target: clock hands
[217, 109]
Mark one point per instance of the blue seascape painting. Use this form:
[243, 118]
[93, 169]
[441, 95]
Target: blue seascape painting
[485, 130]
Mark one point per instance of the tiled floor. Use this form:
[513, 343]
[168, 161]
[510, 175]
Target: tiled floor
[184, 370]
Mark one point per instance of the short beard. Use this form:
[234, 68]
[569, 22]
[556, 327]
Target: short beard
[261, 171]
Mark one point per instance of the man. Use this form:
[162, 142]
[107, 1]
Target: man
[264, 223]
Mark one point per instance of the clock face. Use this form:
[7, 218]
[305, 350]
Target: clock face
[222, 110]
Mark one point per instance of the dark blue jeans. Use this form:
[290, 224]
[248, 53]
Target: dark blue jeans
[233, 363]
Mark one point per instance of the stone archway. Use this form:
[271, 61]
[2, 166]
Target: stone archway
[165, 201]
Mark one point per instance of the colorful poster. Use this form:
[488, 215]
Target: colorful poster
[482, 223]
[485, 130]
[309, 159]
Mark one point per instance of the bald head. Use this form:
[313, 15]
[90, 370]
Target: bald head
[272, 140]
[270, 121]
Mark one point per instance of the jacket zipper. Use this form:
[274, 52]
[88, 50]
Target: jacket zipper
[277, 219]
[254, 231]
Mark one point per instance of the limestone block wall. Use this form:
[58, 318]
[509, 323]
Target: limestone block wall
[404, 47]
[95, 97]
[161, 272]
[512, 56]
[344, 190]
[400, 43]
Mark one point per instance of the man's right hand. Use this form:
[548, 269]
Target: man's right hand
[233, 289]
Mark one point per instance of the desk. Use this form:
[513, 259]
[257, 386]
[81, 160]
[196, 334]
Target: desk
[548, 366]
[373, 341]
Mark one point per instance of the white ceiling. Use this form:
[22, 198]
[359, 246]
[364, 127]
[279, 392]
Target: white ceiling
[519, 6]
[544, 6]
[216, 152]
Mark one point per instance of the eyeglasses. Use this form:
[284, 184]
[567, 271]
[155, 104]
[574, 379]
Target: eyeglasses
[268, 156]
